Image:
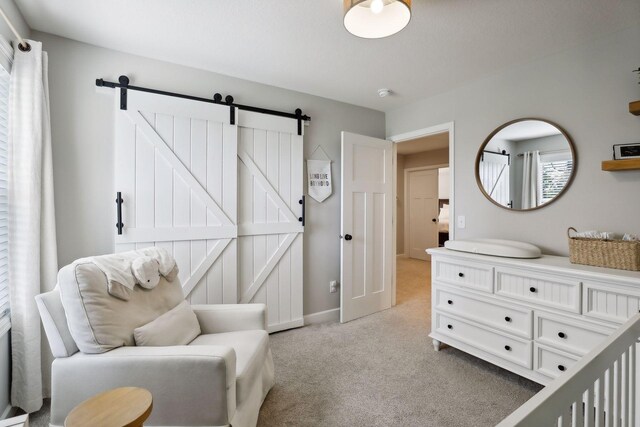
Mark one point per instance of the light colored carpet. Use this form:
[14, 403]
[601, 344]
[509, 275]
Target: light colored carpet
[381, 371]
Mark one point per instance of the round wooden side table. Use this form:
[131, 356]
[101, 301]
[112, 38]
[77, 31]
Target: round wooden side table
[120, 407]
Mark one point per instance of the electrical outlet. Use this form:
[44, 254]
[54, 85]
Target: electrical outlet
[333, 286]
[461, 221]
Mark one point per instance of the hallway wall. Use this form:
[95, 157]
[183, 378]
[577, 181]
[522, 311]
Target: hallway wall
[408, 161]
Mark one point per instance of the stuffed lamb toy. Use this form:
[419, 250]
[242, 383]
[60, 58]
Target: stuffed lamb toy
[146, 271]
[143, 267]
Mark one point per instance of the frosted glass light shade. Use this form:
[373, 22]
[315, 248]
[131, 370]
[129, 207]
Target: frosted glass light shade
[360, 20]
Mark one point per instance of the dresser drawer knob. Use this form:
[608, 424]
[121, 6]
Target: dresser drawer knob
[562, 335]
[460, 274]
[532, 290]
[450, 326]
[507, 319]
[561, 368]
[449, 302]
[508, 348]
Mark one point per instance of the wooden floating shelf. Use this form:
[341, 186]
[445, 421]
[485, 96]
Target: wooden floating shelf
[634, 108]
[621, 165]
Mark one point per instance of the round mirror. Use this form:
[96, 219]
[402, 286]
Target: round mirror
[525, 164]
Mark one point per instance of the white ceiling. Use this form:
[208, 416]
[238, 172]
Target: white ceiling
[302, 45]
[426, 143]
[527, 129]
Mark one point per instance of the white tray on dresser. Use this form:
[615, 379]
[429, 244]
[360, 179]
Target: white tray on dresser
[534, 317]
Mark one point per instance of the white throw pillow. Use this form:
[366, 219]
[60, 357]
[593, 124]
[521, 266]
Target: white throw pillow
[97, 321]
[178, 326]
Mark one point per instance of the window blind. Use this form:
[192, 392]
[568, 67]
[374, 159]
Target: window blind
[5, 322]
[555, 176]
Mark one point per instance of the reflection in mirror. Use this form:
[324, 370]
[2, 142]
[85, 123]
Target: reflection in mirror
[525, 164]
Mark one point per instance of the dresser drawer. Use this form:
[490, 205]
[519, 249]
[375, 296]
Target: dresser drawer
[550, 362]
[467, 274]
[568, 334]
[538, 288]
[515, 320]
[610, 302]
[512, 349]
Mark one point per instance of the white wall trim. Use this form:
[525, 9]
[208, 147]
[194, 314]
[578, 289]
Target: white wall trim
[407, 222]
[332, 315]
[407, 136]
[424, 168]
[432, 130]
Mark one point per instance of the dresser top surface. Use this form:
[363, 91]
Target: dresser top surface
[548, 262]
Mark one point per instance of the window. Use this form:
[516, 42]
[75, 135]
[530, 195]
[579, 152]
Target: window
[5, 322]
[555, 175]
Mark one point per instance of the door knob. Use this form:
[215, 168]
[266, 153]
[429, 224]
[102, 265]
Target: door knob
[348, 237]
[434, 220]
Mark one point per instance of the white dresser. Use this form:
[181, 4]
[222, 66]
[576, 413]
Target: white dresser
[533, 317]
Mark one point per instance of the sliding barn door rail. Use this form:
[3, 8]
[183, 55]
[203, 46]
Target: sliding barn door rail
[123, 83]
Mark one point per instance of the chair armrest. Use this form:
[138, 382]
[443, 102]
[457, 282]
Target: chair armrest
[190, 385]
[218, 318]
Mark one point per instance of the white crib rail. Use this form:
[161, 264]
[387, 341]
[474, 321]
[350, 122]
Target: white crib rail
[598, 391]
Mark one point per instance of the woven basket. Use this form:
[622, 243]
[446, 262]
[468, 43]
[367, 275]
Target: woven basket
[619, 254]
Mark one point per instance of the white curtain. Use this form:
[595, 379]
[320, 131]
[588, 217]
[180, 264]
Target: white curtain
[33, 261]
[531, 180]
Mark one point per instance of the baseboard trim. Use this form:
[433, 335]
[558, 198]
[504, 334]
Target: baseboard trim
[401, 256]
[332, 315]
[287, 325]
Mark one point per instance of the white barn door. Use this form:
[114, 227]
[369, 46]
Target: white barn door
[494, 176]
[176, 168]
[224, 199]
[270, 162]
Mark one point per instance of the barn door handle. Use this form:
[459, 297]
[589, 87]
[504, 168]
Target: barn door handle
[302, 218]
[119, 224]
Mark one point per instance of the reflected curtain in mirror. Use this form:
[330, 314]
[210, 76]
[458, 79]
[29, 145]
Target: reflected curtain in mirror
[531, 180]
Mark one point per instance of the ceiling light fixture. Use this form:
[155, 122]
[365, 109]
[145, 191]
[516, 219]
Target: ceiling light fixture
[375, 19]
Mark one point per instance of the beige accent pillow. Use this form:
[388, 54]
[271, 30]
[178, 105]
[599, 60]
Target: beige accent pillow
[178, 326]
[97, 321]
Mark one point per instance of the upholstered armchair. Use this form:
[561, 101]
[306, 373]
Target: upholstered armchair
[220, 378]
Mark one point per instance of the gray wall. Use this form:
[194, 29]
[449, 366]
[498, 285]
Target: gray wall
[14, 15]
[82, 125]
[18, 21]
[427, 158]
[586, 90]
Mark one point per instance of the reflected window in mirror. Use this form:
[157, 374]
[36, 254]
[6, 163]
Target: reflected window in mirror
[525, 164]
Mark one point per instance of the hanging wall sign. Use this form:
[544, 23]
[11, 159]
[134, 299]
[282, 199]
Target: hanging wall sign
[319, 178]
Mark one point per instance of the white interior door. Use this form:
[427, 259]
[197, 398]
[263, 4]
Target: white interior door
[222, 198]
[176, 166]
[422, 201]
[270, 154]
[366, 246]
